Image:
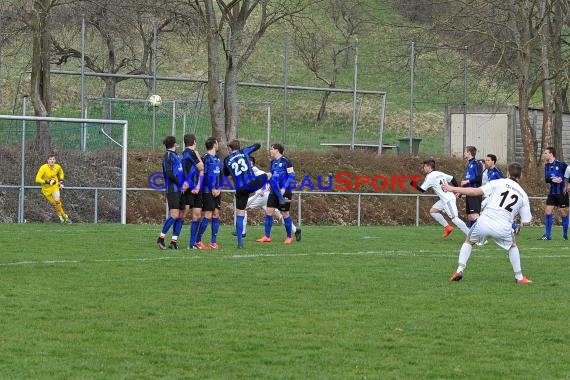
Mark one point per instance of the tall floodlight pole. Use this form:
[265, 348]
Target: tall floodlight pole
[465, 98]
[354, 93]
[83, 110]
[285, 84]
[412, 70]
[154, 85]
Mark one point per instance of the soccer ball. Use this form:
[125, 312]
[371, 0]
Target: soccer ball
[155, 100]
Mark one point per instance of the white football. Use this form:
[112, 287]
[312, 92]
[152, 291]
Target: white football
[155, 100]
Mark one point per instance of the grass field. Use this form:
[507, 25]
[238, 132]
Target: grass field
[102, 302]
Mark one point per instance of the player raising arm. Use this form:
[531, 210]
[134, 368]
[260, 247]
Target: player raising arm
[238, 165]
[506, 199]
[447, 201]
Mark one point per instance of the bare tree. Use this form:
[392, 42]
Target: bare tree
[320, 50]
[350, 18]
[557, 19]
[40, 77]
[125, 32]
[11, 26]
[320, 53]
[233, 28]
[505, 37]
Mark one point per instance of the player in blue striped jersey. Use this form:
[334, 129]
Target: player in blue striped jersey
[473, 178]
[554, 171]
[284, 173]
[173, 179]
[211, 194]
[238, 165]
[194, 171]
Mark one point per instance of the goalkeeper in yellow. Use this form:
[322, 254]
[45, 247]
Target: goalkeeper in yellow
[50, 177]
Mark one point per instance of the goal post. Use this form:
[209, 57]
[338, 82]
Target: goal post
[9, 138]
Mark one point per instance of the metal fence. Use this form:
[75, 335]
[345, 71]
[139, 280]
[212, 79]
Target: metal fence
[97, 191]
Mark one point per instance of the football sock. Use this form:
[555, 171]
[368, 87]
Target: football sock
[515, 259]
[287, 222]
[293, 227]
[565, 225]
[178, 223]
[215, 229]
[167, 224]
[244, 222]
[464, 254]
[194, 231]
[58, 208]
[268, 223]
[202, 229]
[239, 229]
[276, 189]
[461, 224]
[548, 220]
[439, 218]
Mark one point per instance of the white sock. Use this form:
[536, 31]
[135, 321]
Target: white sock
[244, 222]
[464, 254]
[440, 219]
[461, 224]
[515, 259]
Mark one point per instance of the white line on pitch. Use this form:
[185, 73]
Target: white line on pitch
[394, 253]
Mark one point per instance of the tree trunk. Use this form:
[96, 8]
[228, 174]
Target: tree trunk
[109, 93]
[231, 103]
[323, 109]
[40, 76]
[215, 100]
[555, 22]
[528, 139]
[547, 101]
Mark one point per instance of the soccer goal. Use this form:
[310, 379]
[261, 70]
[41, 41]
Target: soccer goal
[92, 153]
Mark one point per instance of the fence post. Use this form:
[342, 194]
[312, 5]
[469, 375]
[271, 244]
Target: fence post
[417, 210]
[358, 218]
[299, 209]
[23, 163]
[96, 210]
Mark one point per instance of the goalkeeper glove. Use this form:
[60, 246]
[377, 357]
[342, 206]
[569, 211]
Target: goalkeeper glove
[61, 184]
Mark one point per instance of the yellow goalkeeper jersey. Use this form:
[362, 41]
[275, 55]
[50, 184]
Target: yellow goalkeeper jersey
[47, 173]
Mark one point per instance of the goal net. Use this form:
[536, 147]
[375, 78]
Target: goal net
[92, 153]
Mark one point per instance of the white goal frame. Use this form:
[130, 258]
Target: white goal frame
[125, 125]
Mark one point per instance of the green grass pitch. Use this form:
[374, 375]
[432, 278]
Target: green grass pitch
[103, 302]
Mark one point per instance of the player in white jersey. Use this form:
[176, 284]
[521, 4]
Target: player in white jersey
[447, 201]
[506, 199]
[259, 200]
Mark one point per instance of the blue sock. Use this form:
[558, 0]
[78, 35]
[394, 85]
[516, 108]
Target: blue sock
[202, 229]
[239, 229]
[288, 225]
[167, 224]
[194, 231]
[548, 220]
[215, 229]
[276, 189]
[565, 225]
[177, 227]
[268, 224]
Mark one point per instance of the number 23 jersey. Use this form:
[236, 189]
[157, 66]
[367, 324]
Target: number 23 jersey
[506, 199]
